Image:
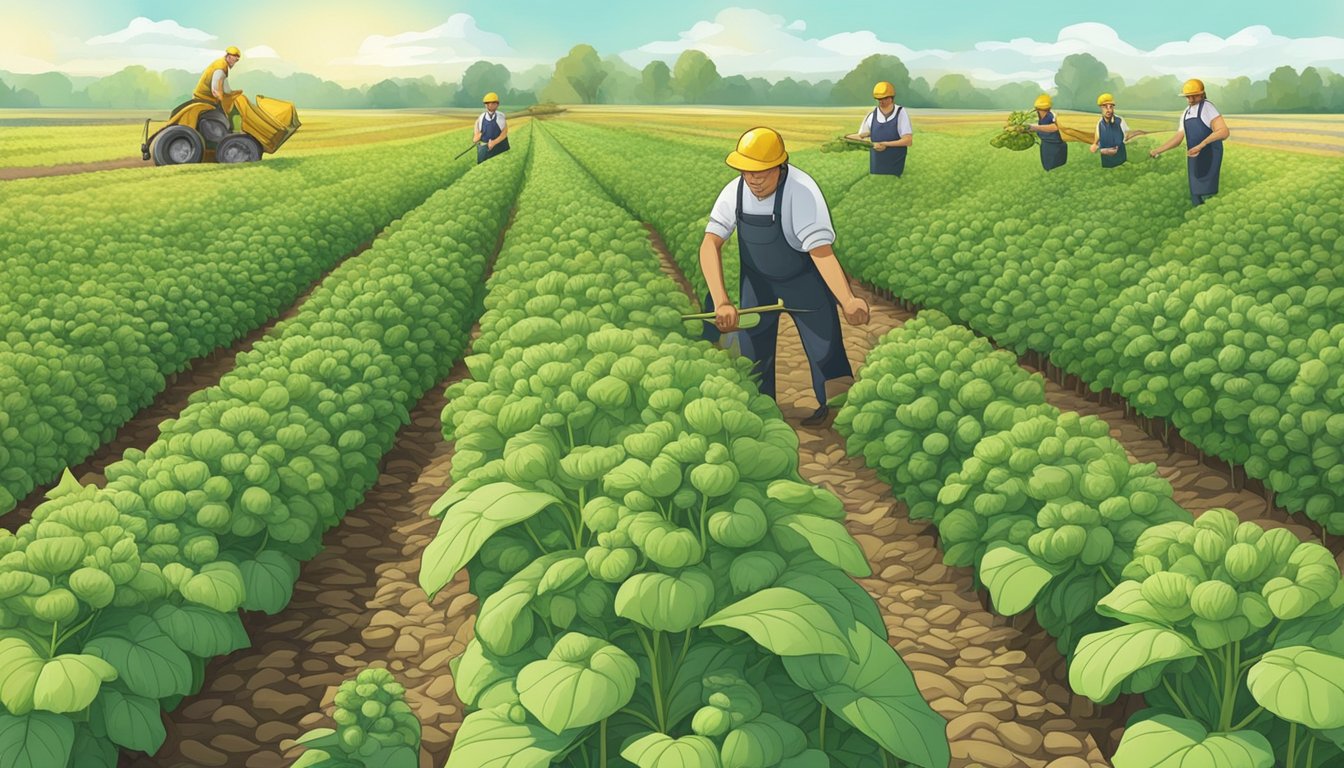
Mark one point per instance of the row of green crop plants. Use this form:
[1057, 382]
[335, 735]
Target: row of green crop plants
[1234, 633]
[113, 600]
[658, 586]
[1228, 319]
[110, 289]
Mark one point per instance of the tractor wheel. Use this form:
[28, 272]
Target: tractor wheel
[177, 145]
[213, 126]
[238, 148]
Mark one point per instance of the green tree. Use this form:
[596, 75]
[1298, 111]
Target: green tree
[655, 83]
[694, 77]
[1311, 89]
[386, 94]
[1080, 79]
[622, 83]
[856, 87]
[958, 92]
[133, 86]
[481, 78]
[17, 97]
[1162, 93]
[582, 69]
[1285, 90]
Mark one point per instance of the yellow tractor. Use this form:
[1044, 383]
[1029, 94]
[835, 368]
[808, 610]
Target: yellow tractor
[200, 131]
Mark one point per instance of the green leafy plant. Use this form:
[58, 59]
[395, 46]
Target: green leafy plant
[1233, 634]
[375, 728]
[1014, 135]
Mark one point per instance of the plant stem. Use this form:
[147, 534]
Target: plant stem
[1179, 702]
[52, 651]
[1247, 720]
[527, 526]
[1292, 745]
[704, 534]
[651, 649]
[821, 730]
[69, 633]
[265, 539]
[1311, 749]
[640, 716]
[686, 646]
[602, 739]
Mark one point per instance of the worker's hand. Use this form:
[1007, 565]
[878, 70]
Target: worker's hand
[725, 317]
[1194, 152]
[1155, 153]
[879, 147]
[856, 310]
[1095, 147]
[490, 144]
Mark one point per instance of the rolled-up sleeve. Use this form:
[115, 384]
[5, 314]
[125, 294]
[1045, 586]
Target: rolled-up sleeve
[867, 125]
[723, 216]
[810, 217]
[903, 125]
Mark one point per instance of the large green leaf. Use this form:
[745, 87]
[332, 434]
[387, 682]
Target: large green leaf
[664, 602]
[827, 538]
[506, 620]
[92, 750]
[658, 750]
[70, 682]
[861, 604]
[1302, 685]
[134, 722]
[1168, 741]
[784, 621]
[148, 661]
[67, 683]
[36, 740]
[1104, 660]
[1014, 578]
[707, 657]
[470, 522]
[877, 695]
[202, 631]
[583, 681]
[1127, 603]
[269, 581]
[218, 585]
[490, 739]
[476, 670]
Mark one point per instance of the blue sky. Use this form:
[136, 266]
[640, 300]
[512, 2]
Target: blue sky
[357, 40]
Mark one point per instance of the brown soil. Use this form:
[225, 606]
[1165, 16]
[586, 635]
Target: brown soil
[10, 174]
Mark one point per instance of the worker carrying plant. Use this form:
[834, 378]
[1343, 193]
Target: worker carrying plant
[1203, 129]
[492, 130]
[1111, 134]
[785, 239]
[214, 83]
[888, 127]
[1054, 152]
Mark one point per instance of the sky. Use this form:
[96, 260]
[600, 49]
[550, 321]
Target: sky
[993, 41]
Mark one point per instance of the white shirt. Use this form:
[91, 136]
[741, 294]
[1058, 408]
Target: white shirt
[498, 116]
[219, 81]
[1210, 112]
[806, 217]
[1124, 127]
[903, 127]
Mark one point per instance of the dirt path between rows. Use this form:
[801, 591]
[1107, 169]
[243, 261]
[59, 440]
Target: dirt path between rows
[1001, 684]
[143, 428]
[356, 604]
[33, 172]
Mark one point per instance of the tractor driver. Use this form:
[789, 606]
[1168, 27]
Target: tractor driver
[214, 83]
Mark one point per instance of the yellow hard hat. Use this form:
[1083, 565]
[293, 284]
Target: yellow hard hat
[883, 90]
[232, 50]
[1192, 87]
[1105, 98]
[489, 97]
[759, 149]
[1043, 101]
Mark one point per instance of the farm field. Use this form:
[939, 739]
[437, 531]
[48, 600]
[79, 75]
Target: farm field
[1082, 500]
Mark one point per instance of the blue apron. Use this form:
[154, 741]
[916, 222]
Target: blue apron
[1204, 169]
[1054, 152]
[890, 161]
[773, 270]
[489, 131]
[1111, 135]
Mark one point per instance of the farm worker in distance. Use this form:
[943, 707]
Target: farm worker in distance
[1054, 152]
[1111, 134]
[785, 240]
[492, 128]
[1203, 129]
[889, 128]
[214, 83]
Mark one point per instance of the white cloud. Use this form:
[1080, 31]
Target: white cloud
[751, 42]
[155, 45]
[456, 41]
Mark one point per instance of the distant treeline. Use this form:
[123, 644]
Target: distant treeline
[583, 77]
